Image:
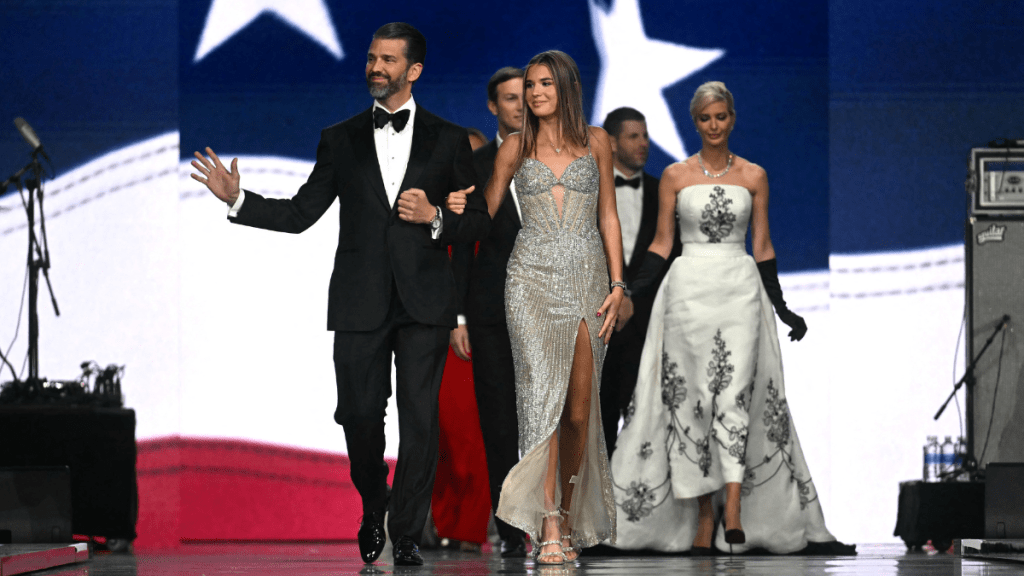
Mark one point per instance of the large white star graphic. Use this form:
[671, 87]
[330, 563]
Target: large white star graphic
[227, 17]
[635, 69]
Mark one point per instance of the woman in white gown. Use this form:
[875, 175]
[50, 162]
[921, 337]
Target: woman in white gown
[709, 415]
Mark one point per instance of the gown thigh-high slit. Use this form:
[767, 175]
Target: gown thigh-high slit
[557, 280]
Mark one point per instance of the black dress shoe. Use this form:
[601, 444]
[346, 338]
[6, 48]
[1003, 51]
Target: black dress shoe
[371, 534]
[514, 547]
[407, 553]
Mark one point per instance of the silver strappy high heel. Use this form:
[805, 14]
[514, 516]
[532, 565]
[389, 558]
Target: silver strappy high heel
[571, 547]
[537, 554]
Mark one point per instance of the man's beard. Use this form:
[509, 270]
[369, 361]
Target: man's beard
[384, 92]
[631, 163]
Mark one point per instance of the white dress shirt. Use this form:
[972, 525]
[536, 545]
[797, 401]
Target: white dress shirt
[393, 150]
[629, 203]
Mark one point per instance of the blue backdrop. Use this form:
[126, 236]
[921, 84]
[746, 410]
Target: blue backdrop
[914, 86]
[862, 114]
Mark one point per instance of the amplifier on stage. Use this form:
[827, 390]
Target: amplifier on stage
[994, 261]
[996, 180]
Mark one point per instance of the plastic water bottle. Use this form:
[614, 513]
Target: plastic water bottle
[960, 451]
[931, 454]
[947, 457]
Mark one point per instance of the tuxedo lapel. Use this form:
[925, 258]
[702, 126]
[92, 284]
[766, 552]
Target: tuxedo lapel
[424, 140]
[365, 151]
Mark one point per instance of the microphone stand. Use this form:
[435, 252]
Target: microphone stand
[970, 464]
[38, 260]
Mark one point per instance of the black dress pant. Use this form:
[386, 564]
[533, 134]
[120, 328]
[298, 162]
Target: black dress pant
[362, 365]
[618, 379]
[494, 378]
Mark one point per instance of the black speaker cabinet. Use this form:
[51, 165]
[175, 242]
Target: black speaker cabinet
[994, 288]
[96, 444]
[1004, 500]
[35, 505]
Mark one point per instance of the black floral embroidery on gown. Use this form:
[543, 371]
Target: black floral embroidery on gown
[673, 386]
[673, 396]
[639, 501]
[776, 417]
[719, 369]
[777, 420]
[716, 221]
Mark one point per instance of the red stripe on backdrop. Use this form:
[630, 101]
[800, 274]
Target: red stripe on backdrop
[200, 489]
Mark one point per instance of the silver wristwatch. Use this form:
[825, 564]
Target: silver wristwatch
[436, 222]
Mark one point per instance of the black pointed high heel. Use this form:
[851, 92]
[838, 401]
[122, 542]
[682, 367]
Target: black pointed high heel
[734, 536]
[700, 551]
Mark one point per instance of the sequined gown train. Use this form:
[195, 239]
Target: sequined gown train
[557, 277]
[710, 403]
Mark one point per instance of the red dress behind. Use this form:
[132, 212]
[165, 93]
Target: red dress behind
[461, 502]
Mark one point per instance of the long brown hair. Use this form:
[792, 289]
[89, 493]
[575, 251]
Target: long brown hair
[571, 121]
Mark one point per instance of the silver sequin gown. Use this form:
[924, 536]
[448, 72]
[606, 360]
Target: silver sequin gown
[557, 277]
[710, 403]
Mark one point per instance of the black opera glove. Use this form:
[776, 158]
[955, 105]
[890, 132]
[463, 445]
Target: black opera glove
[646, 280]
[770, 278]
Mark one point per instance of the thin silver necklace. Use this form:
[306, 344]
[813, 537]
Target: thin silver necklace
[728, 166]
[557, 150]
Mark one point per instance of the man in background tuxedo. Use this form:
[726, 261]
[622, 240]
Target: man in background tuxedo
[636, 198]
[392, 291]
[481, 282]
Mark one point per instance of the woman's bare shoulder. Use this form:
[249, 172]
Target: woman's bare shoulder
[752, 175]
[679, 174]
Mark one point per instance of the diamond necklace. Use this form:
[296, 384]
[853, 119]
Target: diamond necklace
[728, 166]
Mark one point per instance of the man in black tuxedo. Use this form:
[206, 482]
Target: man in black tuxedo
[392, 290]
[481, 282]
[636, 197]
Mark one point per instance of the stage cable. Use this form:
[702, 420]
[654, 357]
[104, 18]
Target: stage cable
[956, 354]
[17, 325]
[995, 392]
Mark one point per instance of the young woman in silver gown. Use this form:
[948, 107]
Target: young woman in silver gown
[709, 411]
[561, 310]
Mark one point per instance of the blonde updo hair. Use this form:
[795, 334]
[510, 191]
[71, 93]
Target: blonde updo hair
[708, 93]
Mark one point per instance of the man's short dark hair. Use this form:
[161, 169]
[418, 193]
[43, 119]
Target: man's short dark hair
[500, 77]
[613, 122]
[415, 42]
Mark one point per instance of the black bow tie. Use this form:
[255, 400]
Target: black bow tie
[398, 119]
[633, 182]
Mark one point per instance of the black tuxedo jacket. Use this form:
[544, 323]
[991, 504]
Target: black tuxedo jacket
[377, 249]
[634, 332]
[481, 277]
